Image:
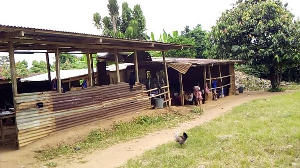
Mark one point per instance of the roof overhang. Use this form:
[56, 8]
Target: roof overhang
[40, 39]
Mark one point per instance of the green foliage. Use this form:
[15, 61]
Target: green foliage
[97, 20]
[260, 32]
[21, 68]
[175, 38]
[131, 24]
[200, 37]
[38, 67]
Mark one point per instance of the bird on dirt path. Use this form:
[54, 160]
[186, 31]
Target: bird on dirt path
[181, 139]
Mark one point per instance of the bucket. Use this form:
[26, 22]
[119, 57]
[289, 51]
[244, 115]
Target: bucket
[159, 103]
[241, 89]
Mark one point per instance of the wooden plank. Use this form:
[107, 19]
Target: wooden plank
[13, 68]
[117, 65]
[136, 66]
[232, 79]
[209, 73]
[48, 66]
[57, 68]
[167, 79]
[222, 95]
[89, 67]
[181, 88]
[92, 68]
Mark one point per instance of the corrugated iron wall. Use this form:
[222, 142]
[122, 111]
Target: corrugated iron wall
[41, 113]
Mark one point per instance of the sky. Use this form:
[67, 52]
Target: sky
[76, 15]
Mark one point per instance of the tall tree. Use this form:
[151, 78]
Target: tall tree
[260, 32]
[126, 17]
[141, 21]
[131, 24]
[113, 9]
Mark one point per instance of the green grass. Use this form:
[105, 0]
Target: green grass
[262, 133]
[120, 132]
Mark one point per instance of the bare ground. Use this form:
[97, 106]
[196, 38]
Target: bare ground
[118, 154]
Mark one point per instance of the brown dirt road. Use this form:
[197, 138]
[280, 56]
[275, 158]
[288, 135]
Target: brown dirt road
[118, 154]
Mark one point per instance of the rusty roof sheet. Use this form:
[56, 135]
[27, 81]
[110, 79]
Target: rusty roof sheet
[194, 61]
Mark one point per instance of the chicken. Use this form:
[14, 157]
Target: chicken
[181, 139]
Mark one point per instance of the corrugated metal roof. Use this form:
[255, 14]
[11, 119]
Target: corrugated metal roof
[72, 73]
[25, 38]
[194, 61]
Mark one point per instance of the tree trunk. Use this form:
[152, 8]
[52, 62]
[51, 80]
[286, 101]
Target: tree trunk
[275, 77]
[114, 23]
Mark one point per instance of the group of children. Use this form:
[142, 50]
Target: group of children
[196, 96]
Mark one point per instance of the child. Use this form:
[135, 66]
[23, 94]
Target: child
[198, 95]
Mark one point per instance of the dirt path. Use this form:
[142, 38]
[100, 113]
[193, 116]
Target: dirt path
[118, 154]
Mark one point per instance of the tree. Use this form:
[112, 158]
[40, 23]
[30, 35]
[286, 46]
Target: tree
[38, 67]
[175, 38]
[131, 24]
[21, 69]
[126, 17]
[113, 9]
[260, 32]
[139, 17]
[200, 37]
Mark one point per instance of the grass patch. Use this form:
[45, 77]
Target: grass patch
[51, 164]
[197, 110]
[262, 133]
[292, 86]
[120, 131]
[276, 89]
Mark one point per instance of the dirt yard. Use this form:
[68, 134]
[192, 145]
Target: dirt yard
[118, 154]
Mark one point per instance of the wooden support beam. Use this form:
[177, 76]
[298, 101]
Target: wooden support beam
[92, 68]
[204, 82]
[89, 67]
[13, 70]
[232, 79]
[57, 69]
[48, 67]
[209, 73]
[181, 89]
[167, 80]
[12, 34]
[117, 65]
[136, 65]
[221, 81]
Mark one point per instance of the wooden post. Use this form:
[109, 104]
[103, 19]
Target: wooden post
[204, 86]
[48, 67]
[209, 73]
[232, 79]
[136, 65]
[57, 70]
[117, 65]
[13, 70]
[221, 81]
[14, 88]
[89, 67]
[92, 68]
[167, 80]
[181, 89]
